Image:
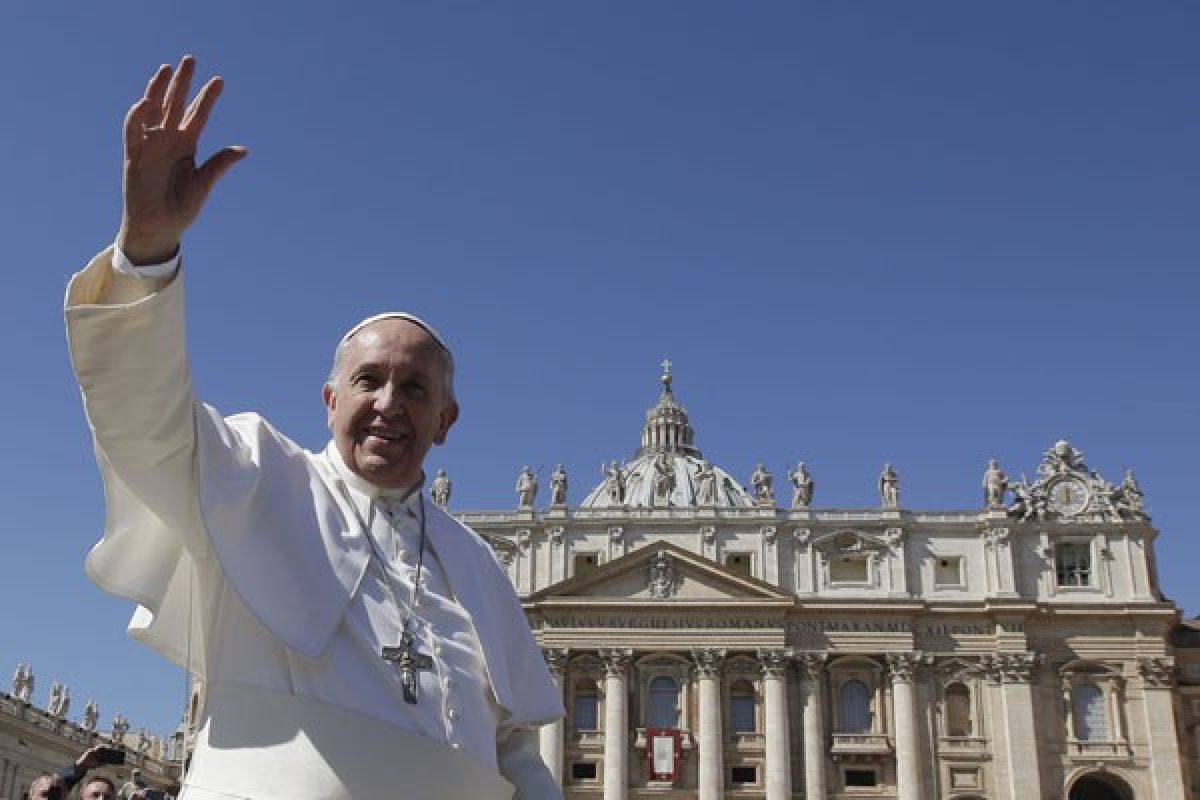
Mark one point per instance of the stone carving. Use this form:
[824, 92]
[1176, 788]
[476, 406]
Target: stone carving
[1127, 499]
[663, 577]
[764, 486]
[770, 533]
[60, 700]
[615, 534]
[664, 478]
[558, 486]
[556, 660]
[995, 484]
[1157, 672]
[706, 484]
[774, 663]
[889, 487]
[615, 477]
[120, 727]
[1061, 459]
[22, 685]
[708, 534]
[1012, 667]
[802, 486]
[1067, 489]
[440, 489]
[524, 538]
[902, 666]
[811, 665]
[527, 486]
[615, 661]
[708, 662]
[557, 533]
[91, 716]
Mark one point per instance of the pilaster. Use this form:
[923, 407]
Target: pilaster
[902, 667]
[616, 723]
[1166, 768]
[811, 667]
[550, 736]
[778, 746]
[710, 733]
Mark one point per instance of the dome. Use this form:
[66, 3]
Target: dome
[667, 470]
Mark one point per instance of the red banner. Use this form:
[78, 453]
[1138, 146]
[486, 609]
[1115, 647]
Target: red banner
[664, 754]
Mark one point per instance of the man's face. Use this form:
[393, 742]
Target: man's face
[97, 790]
[389, 403]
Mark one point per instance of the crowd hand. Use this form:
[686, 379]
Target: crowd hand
[164, 190]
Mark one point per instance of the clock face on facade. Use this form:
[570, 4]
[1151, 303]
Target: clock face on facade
[1068, 496]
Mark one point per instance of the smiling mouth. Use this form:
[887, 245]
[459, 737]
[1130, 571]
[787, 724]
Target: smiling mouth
[389, 437]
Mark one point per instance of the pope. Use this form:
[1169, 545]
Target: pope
[351, 639]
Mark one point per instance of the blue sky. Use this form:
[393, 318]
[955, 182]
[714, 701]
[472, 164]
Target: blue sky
[924, 233]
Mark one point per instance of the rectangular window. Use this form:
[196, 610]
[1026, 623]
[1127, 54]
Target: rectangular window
[848, 569]
[739, 563]
[586, 563]
[583, 771]
[948, 572]
[861, 777]
[1074, 561]
[743, 776]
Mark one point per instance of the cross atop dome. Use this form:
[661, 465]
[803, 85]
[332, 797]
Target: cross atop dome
[667, 427]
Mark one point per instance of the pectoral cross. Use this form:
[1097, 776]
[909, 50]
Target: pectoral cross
[410, 662]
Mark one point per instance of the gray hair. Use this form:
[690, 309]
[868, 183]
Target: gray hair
[444, 356]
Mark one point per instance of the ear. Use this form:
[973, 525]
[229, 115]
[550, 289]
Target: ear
[329, 395]
[447, 418]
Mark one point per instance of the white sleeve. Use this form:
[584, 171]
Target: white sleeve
[519, 758]
[122, 265]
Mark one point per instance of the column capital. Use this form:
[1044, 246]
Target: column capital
[708, 661]
[1158, 672]
[556, 659]
[1013, 667]
[811, 664]
[903, 666]
[616, 661]
[774, 663]
[556, 534]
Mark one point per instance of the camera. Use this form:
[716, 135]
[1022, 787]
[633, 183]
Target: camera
[110, 755]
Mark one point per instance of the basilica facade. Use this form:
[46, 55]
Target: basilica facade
[716, 640]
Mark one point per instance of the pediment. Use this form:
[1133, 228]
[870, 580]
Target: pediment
[663, 572]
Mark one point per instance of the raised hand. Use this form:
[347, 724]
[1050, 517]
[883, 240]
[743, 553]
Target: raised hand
[164, 190]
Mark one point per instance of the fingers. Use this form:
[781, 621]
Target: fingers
[176, 97]
[157, 87]
[197, 114]
[218, 165]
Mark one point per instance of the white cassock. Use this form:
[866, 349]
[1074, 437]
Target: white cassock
[275, 574]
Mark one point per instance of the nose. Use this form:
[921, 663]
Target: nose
[389, 400]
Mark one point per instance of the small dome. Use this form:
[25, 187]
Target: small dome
[668, 470]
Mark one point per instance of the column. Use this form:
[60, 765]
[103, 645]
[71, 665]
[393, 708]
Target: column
[1166, 770]
[710, 734]
[616, 723]
[778, 746]
[812, 684]
[1014, 673]
[908, 769]
[550, 736]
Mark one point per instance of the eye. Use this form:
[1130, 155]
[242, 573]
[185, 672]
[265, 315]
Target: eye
[365, 380]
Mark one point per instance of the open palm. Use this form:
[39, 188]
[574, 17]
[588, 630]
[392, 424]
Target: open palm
[164, 190]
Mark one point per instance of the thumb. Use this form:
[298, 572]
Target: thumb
[216, 166]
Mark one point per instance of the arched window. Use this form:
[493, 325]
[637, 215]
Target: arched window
[662, 708]
[1091, 721]
[958, 710]
[854, 707]
[741, 707]
[586, 701]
